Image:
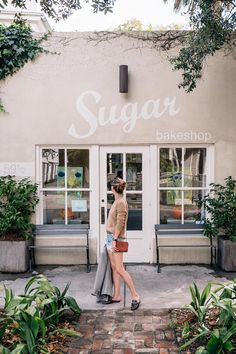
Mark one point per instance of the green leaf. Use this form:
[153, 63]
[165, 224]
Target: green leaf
[20, 349]
[4, 350]
[67, 332]
[46, 302]
[205, 294]
[194, 297]
[201, 350]
[72, 304]
[66, 289]
[213, 344]
[230, 333]
[185, 330]
[192, 340]
[228, 346]
[43, 327]
[8, 296]
[30, 340]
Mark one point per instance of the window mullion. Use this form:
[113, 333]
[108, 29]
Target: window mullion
[182, 207]
[66, 209]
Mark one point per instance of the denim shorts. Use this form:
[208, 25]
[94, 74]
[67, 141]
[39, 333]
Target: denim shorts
[109, 239]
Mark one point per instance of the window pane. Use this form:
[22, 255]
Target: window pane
[53, 207]
[192, 213]
[171, 167]
[195, 167]
[170, 207]
[114, 168]
[53, 168]
[110, 201]
[77, 168]
[134, 171]
[135, 216]
[78, 207]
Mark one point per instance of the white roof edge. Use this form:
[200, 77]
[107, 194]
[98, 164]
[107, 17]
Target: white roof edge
[40, 15]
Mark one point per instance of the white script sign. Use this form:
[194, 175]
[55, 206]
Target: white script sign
[128, 114]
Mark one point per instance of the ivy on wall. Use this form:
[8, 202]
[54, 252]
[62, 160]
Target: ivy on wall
[17, 47]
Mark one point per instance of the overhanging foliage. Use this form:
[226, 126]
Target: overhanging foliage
[61, 9]
[17, 47]
[212, 29]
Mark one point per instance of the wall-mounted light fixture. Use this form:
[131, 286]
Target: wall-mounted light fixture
[123, 74]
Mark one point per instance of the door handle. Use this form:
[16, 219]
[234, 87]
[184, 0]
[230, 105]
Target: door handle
[102, 215]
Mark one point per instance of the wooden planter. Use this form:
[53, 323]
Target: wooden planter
[14, 256]
[226, 254]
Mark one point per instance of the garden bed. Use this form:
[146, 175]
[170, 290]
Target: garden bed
[53, 343]
[39, 320]
[181, 316]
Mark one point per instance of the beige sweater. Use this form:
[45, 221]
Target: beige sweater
[117, 218]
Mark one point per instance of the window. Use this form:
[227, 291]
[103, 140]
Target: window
[64, 190]
[182, 182]
[128, 166]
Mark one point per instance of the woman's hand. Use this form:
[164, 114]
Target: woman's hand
[114, 249]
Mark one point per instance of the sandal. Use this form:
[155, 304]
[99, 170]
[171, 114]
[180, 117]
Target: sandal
[109, 300]
[106, 300]
[135, 305]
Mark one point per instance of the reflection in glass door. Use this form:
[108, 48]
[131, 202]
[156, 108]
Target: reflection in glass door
[132, 167]
[128, 167]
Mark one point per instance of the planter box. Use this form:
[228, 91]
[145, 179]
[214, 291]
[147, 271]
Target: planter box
[14, 256]
[226, 254]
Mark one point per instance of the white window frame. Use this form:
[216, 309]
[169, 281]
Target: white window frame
[210, 169]
[39, 179]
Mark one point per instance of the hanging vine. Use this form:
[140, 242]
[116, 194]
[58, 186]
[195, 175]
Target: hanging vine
[17, 47]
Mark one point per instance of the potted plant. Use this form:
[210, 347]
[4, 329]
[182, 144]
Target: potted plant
[220, 220]
[18, 199]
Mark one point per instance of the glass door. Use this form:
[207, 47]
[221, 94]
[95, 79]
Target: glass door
[131, 164]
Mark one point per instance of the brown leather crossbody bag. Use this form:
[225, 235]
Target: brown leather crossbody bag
[122, 246]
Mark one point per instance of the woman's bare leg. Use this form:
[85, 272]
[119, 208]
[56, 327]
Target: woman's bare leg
[116, 278]
[117, 261]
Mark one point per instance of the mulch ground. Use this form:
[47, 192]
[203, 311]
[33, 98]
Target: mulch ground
[182, 315]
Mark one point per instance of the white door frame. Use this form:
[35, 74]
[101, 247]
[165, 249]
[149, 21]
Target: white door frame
[140, 240]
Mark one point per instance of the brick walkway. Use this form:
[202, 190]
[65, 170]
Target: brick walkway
[124, 332]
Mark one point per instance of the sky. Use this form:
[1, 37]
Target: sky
[153, 12]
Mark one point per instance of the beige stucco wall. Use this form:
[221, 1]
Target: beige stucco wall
[47, 102]
[42, 100]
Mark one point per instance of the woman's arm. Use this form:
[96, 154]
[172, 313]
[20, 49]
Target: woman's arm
[121, 219]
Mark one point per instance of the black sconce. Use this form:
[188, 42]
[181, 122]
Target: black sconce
[123, 78]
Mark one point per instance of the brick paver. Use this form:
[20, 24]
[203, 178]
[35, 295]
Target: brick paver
[123, 332]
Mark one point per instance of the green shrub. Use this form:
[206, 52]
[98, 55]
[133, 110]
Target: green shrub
[220, 339]
[220, 205]
[33, 316]
[18, 199]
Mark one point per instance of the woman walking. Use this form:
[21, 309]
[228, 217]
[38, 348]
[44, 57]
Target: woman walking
[116, 230]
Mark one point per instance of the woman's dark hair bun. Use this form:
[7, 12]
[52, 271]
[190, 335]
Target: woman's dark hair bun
[119, 185]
